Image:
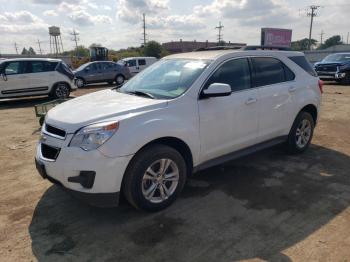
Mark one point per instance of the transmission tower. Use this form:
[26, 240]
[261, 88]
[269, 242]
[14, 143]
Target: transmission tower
[312, 14]
[75, 38]
[16, 47]
[219, 27]
[144, 29]
[39, 47]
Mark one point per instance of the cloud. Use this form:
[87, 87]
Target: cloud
[50, 13]
[53, 2]
[83, 18]
[20, 17]
[130, 11]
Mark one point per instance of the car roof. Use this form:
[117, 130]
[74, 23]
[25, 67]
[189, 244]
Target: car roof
[212, 55]
[33, 59]
[139, 57]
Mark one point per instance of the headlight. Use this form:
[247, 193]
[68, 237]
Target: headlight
[94, 136]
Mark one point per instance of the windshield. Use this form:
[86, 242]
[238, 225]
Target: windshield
[82, 66]
[167, 78]
[337, 58]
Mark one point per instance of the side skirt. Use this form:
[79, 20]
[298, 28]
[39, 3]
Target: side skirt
[240, 153]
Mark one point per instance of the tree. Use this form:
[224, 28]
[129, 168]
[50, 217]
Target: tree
[24, 51]
[153, 48]
[303, 44]
[31, 51]
[332, 41]
[95, 45]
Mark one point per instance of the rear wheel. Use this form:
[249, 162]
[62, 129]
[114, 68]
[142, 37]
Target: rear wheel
[154, 178]
[60, 91]
[301, 133]
[80, 82]
[119, 79]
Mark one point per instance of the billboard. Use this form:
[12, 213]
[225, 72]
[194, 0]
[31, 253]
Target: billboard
[276, 37]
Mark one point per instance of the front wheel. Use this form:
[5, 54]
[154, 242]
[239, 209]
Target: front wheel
[80, 82]
[154, 178]
[61, 91]
[301, 133]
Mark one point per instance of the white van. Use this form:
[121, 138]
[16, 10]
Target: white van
[137, 64]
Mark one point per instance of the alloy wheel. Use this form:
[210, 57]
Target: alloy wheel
[303, 133]
[160, 180]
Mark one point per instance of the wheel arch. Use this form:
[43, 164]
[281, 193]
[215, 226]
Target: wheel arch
[312, 109]
[60, 82]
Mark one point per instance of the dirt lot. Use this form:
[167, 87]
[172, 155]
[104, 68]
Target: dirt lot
[268, 206]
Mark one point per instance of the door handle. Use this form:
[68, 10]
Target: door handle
[251, 101]
[292, 89]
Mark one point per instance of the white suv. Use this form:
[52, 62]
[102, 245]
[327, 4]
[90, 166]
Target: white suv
[184, 113]
[35, 76]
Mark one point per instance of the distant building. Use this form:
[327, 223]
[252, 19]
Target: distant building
[189, 46]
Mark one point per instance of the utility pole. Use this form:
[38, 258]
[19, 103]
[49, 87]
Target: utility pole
[312, 14]
[75, 39]
[144, 28]
[39, 47]
[347, 39]
[322, 34]
[16, 47]
[219, 27]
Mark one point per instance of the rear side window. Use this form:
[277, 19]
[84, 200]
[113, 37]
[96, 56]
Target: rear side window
[269, 71]
[142, 62]
[304, 64]
[235, 72]
[13, 68]
[131, 63]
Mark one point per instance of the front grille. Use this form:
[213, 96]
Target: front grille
[49, 152]
[327, 68]
[55, 131]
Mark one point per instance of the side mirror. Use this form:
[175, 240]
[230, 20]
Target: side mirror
[216, 90]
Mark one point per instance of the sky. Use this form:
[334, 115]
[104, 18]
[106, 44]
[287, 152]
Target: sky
[118, 23]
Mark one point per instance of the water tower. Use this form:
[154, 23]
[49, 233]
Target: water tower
[56, 45]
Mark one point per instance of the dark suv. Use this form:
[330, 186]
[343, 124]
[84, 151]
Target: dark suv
[97, 72]
[335, 67]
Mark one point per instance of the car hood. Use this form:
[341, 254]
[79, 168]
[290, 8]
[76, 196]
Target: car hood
[98, 107]
[331, 63]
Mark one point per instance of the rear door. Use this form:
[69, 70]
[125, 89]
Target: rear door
[39, 76]
[108, 71]
[142, 64]
[276, 86]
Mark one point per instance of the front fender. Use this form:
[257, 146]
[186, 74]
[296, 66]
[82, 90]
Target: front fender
[137, 131]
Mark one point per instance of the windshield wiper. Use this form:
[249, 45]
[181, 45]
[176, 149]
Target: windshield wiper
[140, 93]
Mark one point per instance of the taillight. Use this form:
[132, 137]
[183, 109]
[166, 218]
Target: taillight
[320, 86]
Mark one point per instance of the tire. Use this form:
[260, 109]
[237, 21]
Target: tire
[301, 133]
[60, 91]
[143, 177]
[346, 79]
[80, 82]
[119, 79]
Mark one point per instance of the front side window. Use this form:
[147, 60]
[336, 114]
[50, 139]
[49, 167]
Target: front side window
[235, 72]
[166, 79]
[269, 71]
[13, 68]
[131, 63]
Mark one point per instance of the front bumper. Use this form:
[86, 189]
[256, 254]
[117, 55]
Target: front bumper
[71, 162]
[331, 75]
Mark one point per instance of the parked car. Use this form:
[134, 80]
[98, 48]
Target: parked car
[137, 64]
[101, 71]
[35, 76]
[184, 113]
[335, 67]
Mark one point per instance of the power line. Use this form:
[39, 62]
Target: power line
[39, 47]
[219, 27]
[312, 14]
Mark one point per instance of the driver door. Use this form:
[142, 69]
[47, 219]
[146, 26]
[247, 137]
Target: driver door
[229, 123]
[15, 80]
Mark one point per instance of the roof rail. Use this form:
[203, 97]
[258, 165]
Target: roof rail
[213, 48]
[262, 47]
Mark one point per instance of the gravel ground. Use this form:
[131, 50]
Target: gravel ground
[267, 206]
